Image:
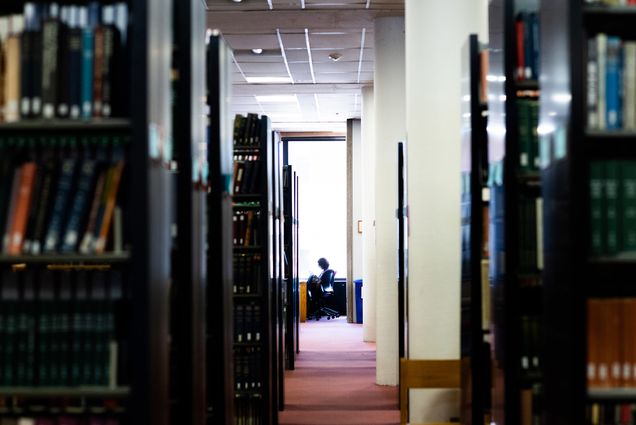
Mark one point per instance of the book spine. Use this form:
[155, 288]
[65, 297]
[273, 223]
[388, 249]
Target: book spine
[612, 84]
[628, 210]
[527, 45]
[592, 84]
[15, 188]
[88, 40]
[26, 78]
[43, 207]
[79, 206]
[12, 82]
[601, 45]
[88, 240]
[109, 71]
[57, 218]
[629, 85]
[74, 75]
[98, 70]
[613, 208]
[50, 63]
[597, 209]
[520, 33]
[27, 179]
[63, 100]
[111, 201]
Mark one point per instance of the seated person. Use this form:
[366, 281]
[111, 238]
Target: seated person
[315, 284]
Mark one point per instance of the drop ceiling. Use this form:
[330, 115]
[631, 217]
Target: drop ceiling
[313, 92]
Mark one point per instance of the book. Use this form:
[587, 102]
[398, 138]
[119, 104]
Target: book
[88, 43]
[79, 206]
[74, 52]
[592, 83]
[109, 207]
[12, 75]
[601, 56]
[23, 203]
[629, 86]
[613, 84]
[57, 218]
[51, 41]
[44, 206]
[11, 207]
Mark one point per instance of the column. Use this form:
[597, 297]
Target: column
[435, 34]
[390, 126]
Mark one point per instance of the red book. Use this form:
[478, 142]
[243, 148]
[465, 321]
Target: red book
[521, 51]
[21, 215]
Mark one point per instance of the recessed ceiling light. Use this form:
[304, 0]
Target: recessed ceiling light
[277, 98]
[257, 51]
[270, 80]
[335, 56]
[237, 1]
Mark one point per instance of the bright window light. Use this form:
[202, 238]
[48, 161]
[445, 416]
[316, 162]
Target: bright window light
[268, 80]
[277, 98]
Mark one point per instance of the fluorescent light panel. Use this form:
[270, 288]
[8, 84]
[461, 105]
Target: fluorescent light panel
[277, 98]
[268, 80]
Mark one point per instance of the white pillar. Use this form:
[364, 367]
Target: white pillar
[390, 128]
[368, 216]
[435, 34]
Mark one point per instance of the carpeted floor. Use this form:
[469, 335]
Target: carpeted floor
[334, 380]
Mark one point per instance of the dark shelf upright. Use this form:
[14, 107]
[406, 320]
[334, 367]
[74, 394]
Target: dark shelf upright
[515, 202]
[219, 301]
[292, 300]
[475, 359]
[189, 273]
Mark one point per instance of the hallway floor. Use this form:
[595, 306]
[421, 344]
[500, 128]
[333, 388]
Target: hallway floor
[334, 380]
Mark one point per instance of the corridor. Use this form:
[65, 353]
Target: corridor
[334, 380]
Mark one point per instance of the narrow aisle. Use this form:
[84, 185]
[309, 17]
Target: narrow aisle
[334, 380]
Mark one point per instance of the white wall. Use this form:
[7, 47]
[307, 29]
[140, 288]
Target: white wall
[435, 34]
[389, 130]
[357, 198]
[368, 215]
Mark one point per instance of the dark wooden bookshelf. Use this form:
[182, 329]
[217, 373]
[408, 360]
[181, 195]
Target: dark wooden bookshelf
[474, 355]
[188, 394]
[219, 297]
[145, 196]
[290, 265]
[263, 402]
[572, 276]
[516, 372]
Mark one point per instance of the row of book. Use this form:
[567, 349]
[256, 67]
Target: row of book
[530, 234]
[612, 208]
[61, 420]
[246, 176]
[63, 61]
[611, 83]
[247, 370]
[248, 411]
[247, 131]
[528, 118]
[247, 322]
[247, 273]
[59, 202]
[59, 329]
[611, 343]
[527, 32]
[611, 413]
[246, 224]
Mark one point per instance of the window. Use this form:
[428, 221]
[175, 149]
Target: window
[322, 197]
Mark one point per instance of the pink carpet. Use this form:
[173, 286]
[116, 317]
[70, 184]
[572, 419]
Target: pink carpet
[334, 380]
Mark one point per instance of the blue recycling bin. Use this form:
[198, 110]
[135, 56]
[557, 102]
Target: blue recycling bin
[358, 290]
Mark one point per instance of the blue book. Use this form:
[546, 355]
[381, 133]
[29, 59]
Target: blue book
[88, 48]
[60, 206]
[79, 206]
[74, 53]
[613, 83]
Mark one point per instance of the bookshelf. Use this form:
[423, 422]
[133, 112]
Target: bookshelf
[291, 280]
[220, 362]
[255, 273]
[587, 150]
[475, 404]
[189, 280]
[515, 227]
[280, 293]
[85, 326]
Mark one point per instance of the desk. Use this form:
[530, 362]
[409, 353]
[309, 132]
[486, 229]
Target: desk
[303, 300]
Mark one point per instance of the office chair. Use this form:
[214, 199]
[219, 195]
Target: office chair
[326, 296]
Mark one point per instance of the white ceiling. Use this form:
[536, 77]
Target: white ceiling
[297, 37]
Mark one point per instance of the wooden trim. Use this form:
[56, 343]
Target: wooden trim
[426, 374]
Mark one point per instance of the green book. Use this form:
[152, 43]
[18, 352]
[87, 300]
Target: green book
[10, 301]
[534, 134]
[612, 206]
[525, 142]
[99, 330]
[63, 331]
[78, 324]
[597, 208]
[628, 212]
[46, 301]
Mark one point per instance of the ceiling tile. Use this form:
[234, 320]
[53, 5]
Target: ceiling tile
[264, 68]
[252, 41]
